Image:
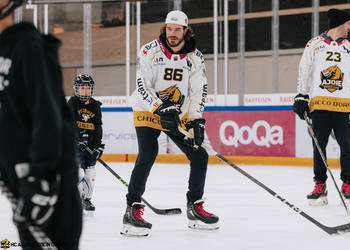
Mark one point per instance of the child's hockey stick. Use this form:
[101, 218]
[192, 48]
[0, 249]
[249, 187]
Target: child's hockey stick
[168, 211]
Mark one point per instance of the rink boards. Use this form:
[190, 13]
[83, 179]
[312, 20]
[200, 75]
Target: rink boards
[271, 135]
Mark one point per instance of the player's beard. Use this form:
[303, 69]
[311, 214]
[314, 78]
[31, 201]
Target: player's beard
[173, 43]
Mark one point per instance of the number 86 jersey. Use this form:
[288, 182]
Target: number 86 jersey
[166, 77]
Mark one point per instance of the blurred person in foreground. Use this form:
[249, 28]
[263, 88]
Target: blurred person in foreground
[38, 165]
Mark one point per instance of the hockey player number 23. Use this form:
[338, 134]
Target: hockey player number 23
[173, 74]
[333, 56]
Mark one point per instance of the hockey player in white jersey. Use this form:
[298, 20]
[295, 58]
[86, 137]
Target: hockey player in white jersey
[171, 87]
[324, 94]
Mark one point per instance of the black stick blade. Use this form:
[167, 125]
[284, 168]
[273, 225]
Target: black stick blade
[167, 211]
[338, 229]
[172, 211]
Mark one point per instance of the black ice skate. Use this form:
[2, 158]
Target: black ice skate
[133, 223]
[318, 197]
[198, 218]
[345, 190]
[88, 207]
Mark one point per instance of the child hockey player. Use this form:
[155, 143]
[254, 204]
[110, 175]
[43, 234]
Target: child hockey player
[87, 116]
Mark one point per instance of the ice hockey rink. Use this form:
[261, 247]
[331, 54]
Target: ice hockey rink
[250, 218]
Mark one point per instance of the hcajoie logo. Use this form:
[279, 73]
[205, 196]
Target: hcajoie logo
[261, 134]
[5, 244]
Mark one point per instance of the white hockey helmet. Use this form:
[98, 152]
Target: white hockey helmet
[177, 17]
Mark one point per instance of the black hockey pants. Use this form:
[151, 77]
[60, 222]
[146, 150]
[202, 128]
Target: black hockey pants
[322, 123]
[148, 150]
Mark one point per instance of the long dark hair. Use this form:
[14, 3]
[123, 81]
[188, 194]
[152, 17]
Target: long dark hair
[188, 35]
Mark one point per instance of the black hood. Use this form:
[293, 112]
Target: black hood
[189, 46]
[12, 32]
[26, 31]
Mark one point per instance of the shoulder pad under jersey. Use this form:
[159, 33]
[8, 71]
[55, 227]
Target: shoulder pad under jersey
[347, 46]
[313, 41]
[198, 56]
[150, 48]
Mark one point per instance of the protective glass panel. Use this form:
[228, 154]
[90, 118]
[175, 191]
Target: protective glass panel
[295, 31]
[65, 21]
[292, 4]
[108, 47]
[108, 38]
[333, 2]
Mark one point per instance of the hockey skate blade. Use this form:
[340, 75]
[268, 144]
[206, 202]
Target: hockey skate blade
[322, 201]
[199, 225]
[131, 231]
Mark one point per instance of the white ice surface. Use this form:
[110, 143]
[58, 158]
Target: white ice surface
[250, 218]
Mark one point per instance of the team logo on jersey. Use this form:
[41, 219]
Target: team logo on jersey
[173, 95]
[332, 79]
[86, 117]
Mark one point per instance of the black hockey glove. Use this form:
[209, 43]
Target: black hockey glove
[169, 117]
[82, 146]
[37, 197]
[301, 105]
[97, 152]
[196, 128]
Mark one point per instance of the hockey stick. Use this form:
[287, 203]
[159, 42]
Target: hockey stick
[39, 235]
[309, 126]
[330, 230]
[168, 211]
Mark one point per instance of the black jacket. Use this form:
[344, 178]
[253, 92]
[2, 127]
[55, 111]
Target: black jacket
[88, 120]
[36, 125]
